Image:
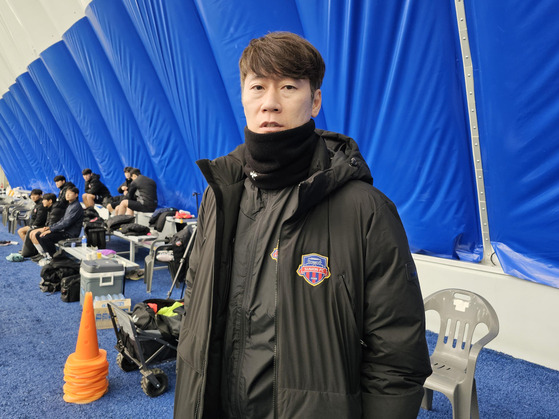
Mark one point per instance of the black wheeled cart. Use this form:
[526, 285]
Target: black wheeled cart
[138, 348]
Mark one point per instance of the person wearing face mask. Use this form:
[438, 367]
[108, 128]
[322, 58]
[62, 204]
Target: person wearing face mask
[302, 296]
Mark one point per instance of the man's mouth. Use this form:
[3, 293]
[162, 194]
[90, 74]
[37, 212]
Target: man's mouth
[270, 124]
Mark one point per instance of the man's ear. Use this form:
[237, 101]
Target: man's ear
[316, 103]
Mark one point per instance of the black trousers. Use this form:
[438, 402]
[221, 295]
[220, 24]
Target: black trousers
[49, 241]
[28, 249]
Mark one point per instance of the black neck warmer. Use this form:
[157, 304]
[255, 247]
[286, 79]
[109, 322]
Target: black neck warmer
[279, 159]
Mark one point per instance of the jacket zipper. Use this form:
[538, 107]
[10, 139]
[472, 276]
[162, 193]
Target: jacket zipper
[275, 382]
[245, 317]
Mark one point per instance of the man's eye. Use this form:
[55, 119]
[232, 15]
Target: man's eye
[257, 87]
[290, 87]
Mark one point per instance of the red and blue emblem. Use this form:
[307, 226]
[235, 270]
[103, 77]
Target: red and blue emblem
[314, 268]
[274, 254]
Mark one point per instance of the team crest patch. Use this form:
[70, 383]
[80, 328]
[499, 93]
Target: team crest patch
[314, 268]
[274, 254]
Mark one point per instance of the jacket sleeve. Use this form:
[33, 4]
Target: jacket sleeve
[40, 217]
[120, 190]
[395, 359]
[95, 186]
[194, 259]
[72, 216]
[132, 191]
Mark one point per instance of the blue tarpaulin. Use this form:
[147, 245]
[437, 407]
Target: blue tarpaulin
[155, 85]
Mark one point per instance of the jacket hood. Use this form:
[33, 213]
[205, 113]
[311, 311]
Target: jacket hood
[67, 185]
[336, 161]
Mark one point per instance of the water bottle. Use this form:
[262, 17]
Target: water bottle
[84, 242]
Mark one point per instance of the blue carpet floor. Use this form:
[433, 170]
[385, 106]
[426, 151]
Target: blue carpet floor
[38, 331]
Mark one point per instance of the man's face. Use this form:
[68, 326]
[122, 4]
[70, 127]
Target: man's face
[278, 104]
[87, 177]
[59, 183]
[47, 203]
[71, 196]
[127, 175]
[35, 198]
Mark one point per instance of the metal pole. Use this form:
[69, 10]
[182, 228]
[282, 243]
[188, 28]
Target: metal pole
[474, 132]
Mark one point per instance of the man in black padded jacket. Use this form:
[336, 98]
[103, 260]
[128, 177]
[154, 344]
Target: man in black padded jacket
[302, 296]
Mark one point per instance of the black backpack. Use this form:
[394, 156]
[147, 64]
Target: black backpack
[95, 233]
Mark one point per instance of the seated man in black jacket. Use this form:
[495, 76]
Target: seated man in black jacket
[68, 227]
[142, 195]
[61, 202]
[95, 191]
[113, 201]
[48, 201]
[38, 214]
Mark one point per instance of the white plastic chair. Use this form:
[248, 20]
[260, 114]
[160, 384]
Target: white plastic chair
[454, 359]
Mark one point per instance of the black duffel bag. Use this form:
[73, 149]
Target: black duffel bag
[70, 288]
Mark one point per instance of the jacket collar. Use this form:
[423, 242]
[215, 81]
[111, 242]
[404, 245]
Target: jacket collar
[336, 161]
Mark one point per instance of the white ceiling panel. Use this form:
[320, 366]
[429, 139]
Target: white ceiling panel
[28, 27]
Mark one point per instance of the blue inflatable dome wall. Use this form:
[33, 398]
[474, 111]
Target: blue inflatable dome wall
[154, 84]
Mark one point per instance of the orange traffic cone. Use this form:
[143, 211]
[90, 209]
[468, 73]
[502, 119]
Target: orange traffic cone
[86, 370]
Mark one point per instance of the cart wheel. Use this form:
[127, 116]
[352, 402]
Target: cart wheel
[125, 364]
[150, 389]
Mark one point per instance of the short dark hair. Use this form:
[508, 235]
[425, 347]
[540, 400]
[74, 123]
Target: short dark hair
[86, 171]
[135, 171]
[283, 54]
[36, 192]
[128, 169]
[50, 197]
[59, 177]
[74, 189]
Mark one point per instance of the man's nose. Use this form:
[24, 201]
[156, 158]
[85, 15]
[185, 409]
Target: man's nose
[271, 102]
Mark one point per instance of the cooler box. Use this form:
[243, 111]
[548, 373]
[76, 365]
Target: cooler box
[101, 277]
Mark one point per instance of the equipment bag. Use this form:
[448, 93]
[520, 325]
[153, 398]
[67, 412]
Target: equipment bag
[59, 267]
[70, 288]
[146, 316]
[96, 237]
